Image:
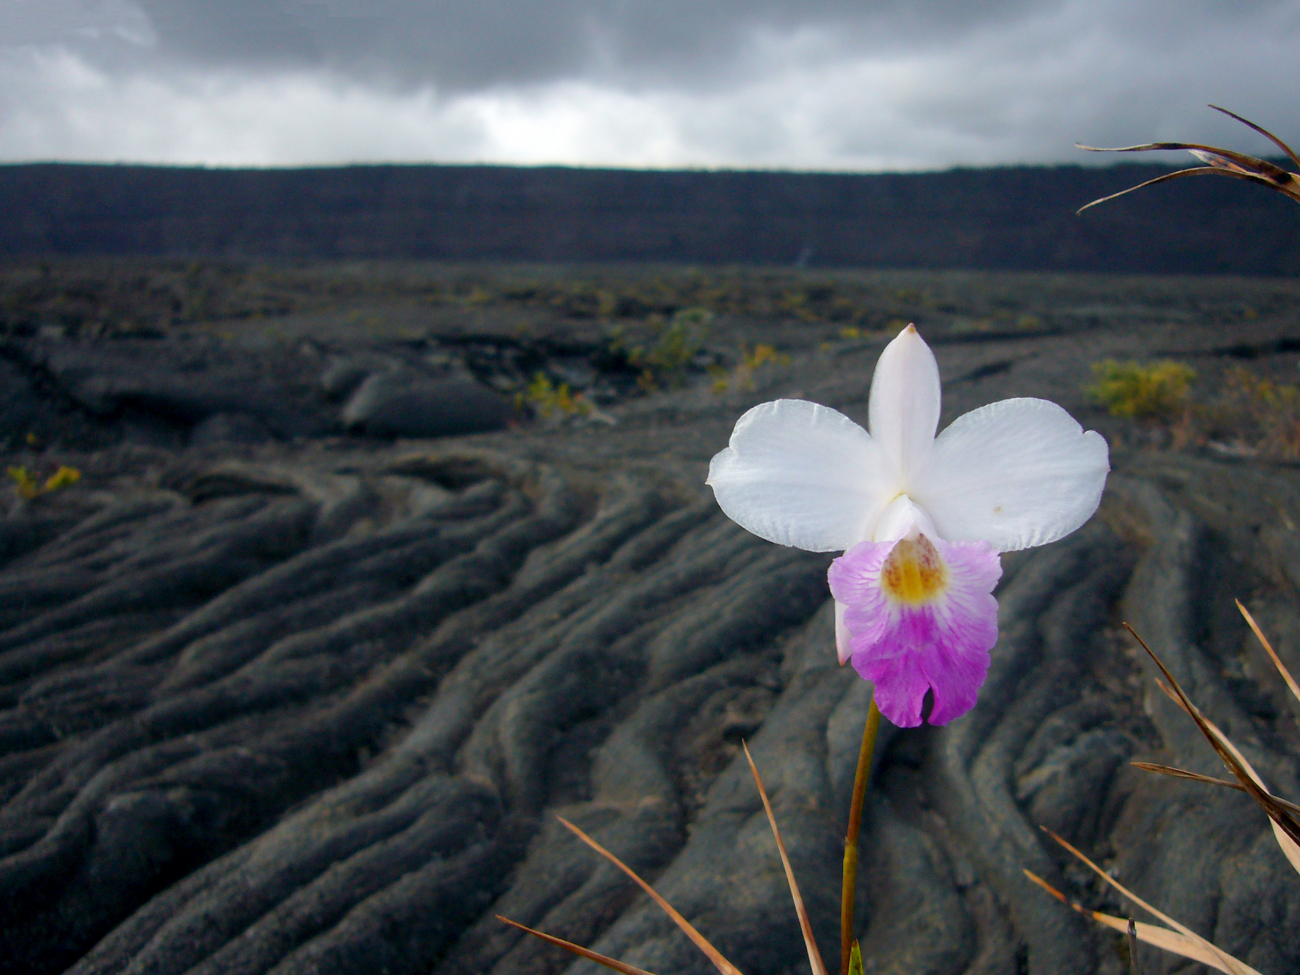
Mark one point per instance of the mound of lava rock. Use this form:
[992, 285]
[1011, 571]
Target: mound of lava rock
[296, 701]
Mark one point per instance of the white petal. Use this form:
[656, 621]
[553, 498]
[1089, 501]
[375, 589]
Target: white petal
[904, 404]
[1015, 474]
[801, 474]
[902, 519]
[842, 635]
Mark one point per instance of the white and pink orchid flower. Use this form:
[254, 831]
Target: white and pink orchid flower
[921, 519]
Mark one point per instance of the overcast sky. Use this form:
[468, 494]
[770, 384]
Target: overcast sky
[789, 84]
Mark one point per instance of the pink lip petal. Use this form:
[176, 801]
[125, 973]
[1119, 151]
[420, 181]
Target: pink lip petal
[900, 687]
[956, 674]
[855, 576]
[941, 645]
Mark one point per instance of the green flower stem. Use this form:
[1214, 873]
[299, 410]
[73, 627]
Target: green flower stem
[847, 943]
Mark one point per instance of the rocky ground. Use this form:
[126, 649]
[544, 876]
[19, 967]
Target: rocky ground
[372, 571]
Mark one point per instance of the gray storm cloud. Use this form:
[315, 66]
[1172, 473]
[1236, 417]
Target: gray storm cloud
[468, 44]
[770, 83]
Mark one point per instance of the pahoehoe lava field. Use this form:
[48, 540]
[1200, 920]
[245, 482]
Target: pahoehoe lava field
[375, 569]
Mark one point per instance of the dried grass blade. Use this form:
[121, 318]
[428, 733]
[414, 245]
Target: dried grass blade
[1174, 942]
[1149, 933]
[1231, 757]
[1275, 176]
[1290, 849]
[1225, 962]
[1268, 647]
[1132, 933]
[1211, 159]
[1293, 191]
[1169, 693]
[1182, 929]
[599, 959]
[1179, 773]
[715, 956]
[1286, 183]
[1250, 164]
[805, 926]
[1197, 171]
[1146, 147]
[1262, 131]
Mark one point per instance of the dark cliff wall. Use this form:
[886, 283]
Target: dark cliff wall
[1009, 218]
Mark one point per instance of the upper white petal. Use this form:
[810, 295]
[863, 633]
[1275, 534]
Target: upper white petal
[904, 407]
[805, 475]
[1017, 473]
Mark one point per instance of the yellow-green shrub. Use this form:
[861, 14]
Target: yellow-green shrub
[549, 400]
[1159, 390]
[29, 486]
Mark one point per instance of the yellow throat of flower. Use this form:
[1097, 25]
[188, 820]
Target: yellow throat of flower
[914, 572]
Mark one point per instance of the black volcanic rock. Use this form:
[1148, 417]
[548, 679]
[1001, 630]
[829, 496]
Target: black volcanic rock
[401, 404]
[175, 387]
[314, 706]
[229, 428]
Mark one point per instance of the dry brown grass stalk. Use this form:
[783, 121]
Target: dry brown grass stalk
[723, 966]
[1218, 162]
[1284, 817]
